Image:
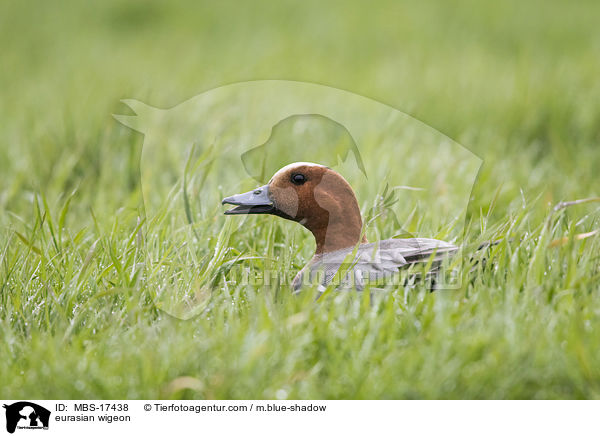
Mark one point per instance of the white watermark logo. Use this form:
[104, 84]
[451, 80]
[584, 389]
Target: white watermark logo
[409, 180]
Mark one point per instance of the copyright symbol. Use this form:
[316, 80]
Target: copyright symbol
[147, 407]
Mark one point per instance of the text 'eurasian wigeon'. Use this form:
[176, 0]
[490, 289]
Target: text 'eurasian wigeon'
[323, 201]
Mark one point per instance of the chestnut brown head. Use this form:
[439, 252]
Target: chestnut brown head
[313, 195]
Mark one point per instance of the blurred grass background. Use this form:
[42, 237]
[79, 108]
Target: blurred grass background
[511, 77]
[516, 82]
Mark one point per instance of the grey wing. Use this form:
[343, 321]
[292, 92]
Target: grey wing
[416, 250]
[374, 261]
[378, 261]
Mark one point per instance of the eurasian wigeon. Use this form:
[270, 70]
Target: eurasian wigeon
[321, 200]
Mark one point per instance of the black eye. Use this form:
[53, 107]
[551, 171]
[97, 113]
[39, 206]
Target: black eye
[298, 179]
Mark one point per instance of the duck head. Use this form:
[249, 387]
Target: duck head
[313, 195]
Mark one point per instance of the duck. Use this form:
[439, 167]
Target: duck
[320, 199]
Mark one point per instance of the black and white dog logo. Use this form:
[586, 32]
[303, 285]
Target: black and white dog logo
[26, 415]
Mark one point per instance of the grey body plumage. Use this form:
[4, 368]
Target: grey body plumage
[372, 262]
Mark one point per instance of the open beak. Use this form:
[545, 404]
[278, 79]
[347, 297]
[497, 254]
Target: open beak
[251, 202]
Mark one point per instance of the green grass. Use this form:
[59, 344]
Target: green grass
[515, 82]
